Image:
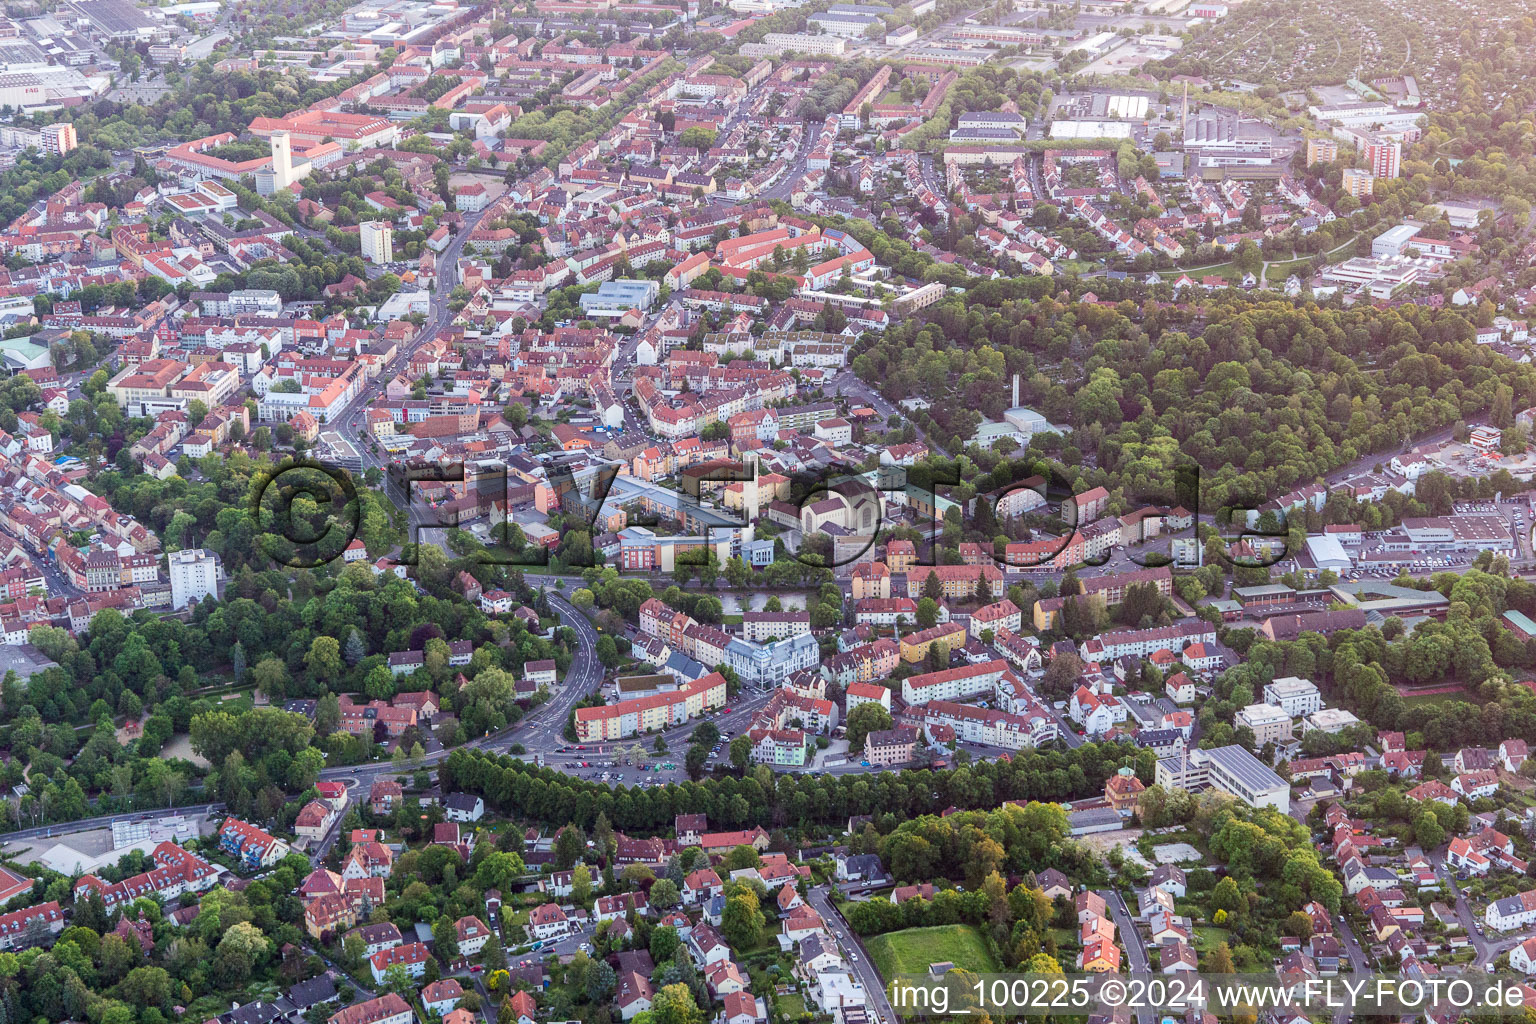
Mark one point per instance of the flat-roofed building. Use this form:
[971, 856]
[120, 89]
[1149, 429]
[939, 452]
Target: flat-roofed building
[1272, 595]
[1230, 769]
[1329, 720]
[378, 241]
[1269, 724]
[1294, 695]
[1471, 533]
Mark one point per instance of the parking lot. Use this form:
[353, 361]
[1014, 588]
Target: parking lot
[618, 766]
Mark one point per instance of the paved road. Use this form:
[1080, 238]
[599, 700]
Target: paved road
[56, 583]
[338, 973]
[792, 174]
[205, 46]
[352, 417]
[1357, 962]
[863, 969]
[354, 798]
[667, 317]
[1352, 948]
[545, 731]
[1488, 950]
[1135, 946]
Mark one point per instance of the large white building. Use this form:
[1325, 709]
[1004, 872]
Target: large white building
[816, 45]
[378, 240]
[772, 663]
[1512, 912]
[1393, 241]
[194, 576]
[953, 684]
[1383, 157]
[58, 138]
[1327, 553]
[1231, 769]
[1267, 722]
[1294, 695]
[1329, 720]
[848, 26]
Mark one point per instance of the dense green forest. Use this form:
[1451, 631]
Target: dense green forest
[1263, 396]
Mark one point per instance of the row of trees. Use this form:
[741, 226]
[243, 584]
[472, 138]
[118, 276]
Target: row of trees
[763, 798]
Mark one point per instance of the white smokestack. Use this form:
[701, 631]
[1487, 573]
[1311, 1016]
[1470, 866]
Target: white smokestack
[1015, 391]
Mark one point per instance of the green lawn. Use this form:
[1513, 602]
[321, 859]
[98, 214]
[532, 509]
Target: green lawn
[1279, 270]
[1066, 938]
[1208, 937]
[790, 1007]
[1419, 700]
[765, 950]
[911, 951]
[1227, 270]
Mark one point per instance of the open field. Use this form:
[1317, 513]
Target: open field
[911, 951]
[1433, 696]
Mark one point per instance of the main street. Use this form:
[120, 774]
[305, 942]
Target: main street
[543, 731]
[352, 421]
[782, 188]
[438, 316]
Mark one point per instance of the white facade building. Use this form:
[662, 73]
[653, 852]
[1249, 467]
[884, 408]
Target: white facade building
[194, 576]
[1296, 696]
[378, 240]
